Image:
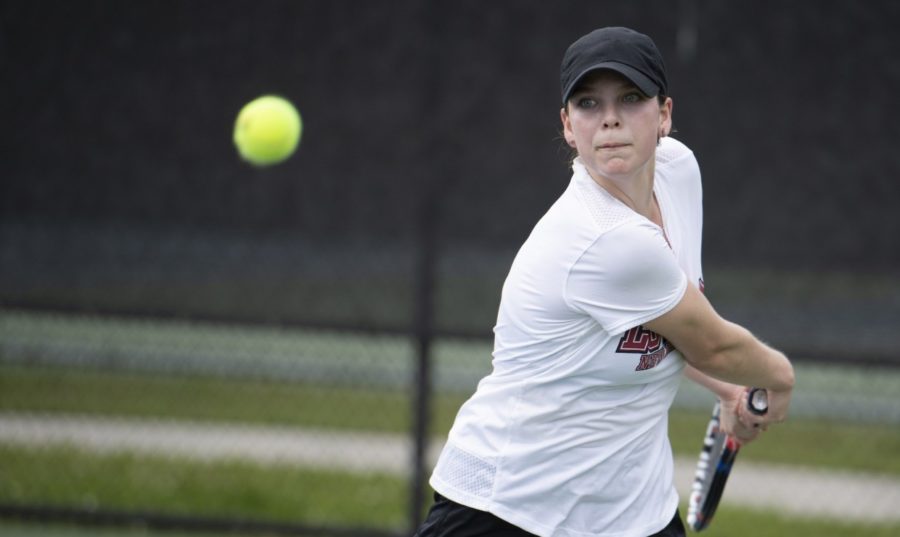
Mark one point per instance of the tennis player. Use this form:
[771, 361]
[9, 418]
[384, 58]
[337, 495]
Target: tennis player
[600, 316]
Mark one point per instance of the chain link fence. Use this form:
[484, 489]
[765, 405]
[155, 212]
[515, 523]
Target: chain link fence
[190, 343]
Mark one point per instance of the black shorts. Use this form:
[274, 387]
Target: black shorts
[450, 519]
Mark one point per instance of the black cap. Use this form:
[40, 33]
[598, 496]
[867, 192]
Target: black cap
[629, 53]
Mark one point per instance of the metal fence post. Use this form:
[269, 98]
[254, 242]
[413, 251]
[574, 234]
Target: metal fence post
[426, 249]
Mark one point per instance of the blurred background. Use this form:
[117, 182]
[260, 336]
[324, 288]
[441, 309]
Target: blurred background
[190, 344]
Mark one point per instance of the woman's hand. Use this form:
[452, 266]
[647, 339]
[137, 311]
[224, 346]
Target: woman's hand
[735, 419]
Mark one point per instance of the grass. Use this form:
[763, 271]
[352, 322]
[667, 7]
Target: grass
[65, 476]
[729, 523]
[277, 493]
[61, 476]
[859, 447]
[282, 493]
[33, 529]
[732, 521]
[214, 399]
[812, 443]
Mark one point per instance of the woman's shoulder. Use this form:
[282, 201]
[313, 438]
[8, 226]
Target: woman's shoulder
[671, 150]
[677, 166]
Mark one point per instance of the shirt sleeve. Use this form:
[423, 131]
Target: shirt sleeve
[628, 276]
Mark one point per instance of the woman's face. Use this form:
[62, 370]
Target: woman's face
[613, 126]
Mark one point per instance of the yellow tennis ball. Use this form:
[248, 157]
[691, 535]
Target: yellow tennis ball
[267, 130]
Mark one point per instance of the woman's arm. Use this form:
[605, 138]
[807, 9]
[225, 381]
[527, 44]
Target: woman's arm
[726, 352]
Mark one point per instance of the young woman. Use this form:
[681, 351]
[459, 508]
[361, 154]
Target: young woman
[600, 316]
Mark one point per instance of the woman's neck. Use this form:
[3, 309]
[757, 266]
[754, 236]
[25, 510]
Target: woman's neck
[636, 192]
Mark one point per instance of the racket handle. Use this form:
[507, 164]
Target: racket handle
[758, 401]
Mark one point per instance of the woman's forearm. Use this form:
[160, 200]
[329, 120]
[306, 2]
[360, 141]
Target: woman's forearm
[740, 358]
[722, 349]
[718, 387]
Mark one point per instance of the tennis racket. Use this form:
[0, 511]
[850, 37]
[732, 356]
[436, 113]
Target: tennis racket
[714, 466]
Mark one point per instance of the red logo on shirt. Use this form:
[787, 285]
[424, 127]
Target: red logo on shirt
[652, 347]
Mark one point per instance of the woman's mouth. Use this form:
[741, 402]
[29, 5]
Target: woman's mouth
[612, 145]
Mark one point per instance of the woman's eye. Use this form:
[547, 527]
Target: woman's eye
[632, 98]
[586, 102]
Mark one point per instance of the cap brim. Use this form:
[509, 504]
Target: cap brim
[643, 83]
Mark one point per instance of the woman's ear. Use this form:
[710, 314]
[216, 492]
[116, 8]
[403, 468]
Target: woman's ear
[567, 127]
[665, 118]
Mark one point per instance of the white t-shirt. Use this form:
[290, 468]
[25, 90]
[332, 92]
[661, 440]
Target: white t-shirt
[568, 434]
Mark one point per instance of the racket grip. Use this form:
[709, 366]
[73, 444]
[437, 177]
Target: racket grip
[758, 401]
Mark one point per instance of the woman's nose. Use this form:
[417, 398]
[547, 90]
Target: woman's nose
[611, 120]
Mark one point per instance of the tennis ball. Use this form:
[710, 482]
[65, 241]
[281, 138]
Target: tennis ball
[267, 130]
